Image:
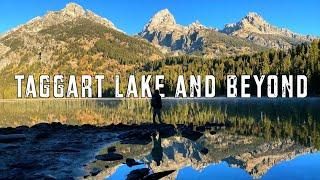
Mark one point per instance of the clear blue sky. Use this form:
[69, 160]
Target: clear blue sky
[302, 16]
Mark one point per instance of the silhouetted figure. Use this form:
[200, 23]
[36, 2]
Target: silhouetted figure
[156, 104]
[157, 150]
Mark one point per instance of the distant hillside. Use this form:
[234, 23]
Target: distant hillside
[71, 42]
[68, 35]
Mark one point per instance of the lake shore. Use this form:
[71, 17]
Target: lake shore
[55, 151]
[62, 151]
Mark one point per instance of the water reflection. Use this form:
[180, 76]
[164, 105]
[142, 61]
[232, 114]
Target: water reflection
[214, 171]
[222, 154]
[222, 138]
[157, 150]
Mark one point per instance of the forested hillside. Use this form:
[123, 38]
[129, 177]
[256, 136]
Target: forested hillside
[303, 59]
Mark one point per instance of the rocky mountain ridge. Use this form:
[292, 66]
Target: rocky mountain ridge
[164, 20]
[163, 31]
[71, 12]
[254, 28]
[60, 36]
[253, 22]
[28, 41]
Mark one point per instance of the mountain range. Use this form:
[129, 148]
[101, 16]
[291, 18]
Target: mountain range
[74, 31]
[163, 31]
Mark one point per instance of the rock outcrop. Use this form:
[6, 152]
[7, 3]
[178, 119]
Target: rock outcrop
[162, 30]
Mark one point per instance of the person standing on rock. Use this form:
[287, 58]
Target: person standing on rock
[156, 104]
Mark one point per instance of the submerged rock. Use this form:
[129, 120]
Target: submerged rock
[201, 128]
[95, 171]
[42, 136]
[109, 157]
[166, 130]
[158, 175]
[136, 137]
[65, 150]
[12, 138]
[26, 164]
[190, 134]
[131, 162]
[213, 132]
[8, 146]
[143, 174]
[112, 149]
[138, 174]
[204, 151]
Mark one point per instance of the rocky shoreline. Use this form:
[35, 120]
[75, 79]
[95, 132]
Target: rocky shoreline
[49, 151]
[59, 151]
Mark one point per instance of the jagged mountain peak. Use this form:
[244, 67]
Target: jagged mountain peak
[161, 19]
[253, 15]
[73, 9]
[255, 23]
[256, 29]
[196, 25]
[255, 20]
[252, 22]
[73, 6]
[164, 16]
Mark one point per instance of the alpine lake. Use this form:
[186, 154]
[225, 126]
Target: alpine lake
[220, 138]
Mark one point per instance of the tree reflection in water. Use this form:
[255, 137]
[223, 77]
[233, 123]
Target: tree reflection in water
[252, 134]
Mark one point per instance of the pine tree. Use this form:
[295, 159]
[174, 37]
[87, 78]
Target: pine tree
[287, 64]
[265, 63]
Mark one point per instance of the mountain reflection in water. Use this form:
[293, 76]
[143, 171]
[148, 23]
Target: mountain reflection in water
[201, 139]
[220, 155]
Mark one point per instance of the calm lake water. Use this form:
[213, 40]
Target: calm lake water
[259, 138]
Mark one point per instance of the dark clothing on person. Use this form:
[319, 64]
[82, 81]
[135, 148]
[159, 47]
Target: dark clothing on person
[156, 104]
[156, 112]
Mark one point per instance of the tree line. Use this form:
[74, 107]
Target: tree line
[303, 59]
